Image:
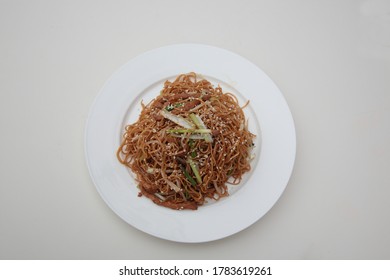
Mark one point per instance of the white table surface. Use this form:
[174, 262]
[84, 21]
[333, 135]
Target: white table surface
[331, 60]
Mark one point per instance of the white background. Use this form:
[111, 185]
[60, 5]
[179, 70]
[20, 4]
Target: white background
[331, 60]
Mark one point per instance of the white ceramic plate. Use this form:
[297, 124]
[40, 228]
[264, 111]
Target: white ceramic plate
[142, 78]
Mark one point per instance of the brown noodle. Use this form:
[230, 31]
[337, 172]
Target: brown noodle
[161, 159]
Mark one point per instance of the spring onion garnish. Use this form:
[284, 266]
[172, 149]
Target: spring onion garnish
[188, 177]
[170, 107]
[191, 143]
[169, 183]
[195, 170]
[189, 136]
[159, 196]
[193, 154]
[172, 185]
[189, 131]
[200, 124]
[177, 119]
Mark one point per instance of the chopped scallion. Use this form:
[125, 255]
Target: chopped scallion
[193, 154]
[170, 107]
[200, 124]
[191, 143]
[159, 196]
[188, 177]
[177, 119]
[195, 170]
[189, 131]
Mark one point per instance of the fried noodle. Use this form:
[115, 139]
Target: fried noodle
[188, 144]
